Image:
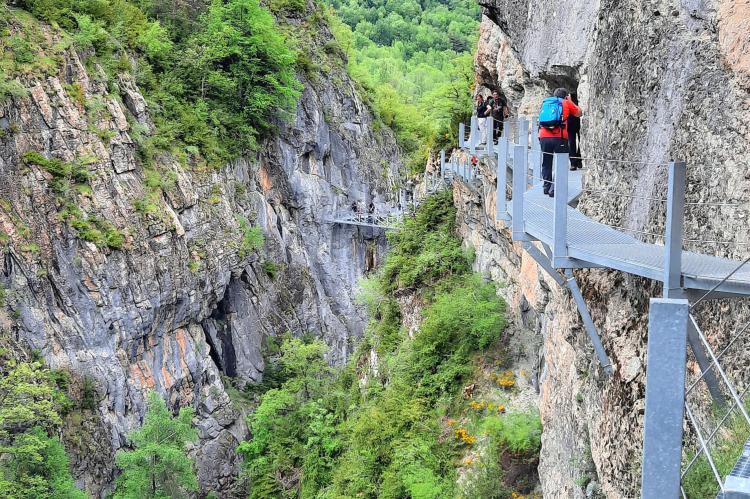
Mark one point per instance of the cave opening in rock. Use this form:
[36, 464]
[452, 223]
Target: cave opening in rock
[370, 261]
[219, 337]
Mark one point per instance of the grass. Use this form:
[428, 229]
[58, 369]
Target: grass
[700, 482]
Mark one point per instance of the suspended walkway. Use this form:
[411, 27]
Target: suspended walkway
[386, 222]
[560, 238]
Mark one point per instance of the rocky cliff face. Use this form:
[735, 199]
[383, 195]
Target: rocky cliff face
[185, 304]
[657, 80]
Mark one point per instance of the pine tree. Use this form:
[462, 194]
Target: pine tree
[158, 466]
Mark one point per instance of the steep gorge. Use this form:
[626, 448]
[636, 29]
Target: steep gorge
[185, 304]
[657, 80]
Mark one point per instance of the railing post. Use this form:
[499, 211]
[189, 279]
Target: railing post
[665, 398]
[442, 163]
[536, 153]
[519, 189]
[461, 135]
[523, 140]
[560, 222]
[501, 204]
[473, 136]
[490, 134]
[523, 132]
[673, 237]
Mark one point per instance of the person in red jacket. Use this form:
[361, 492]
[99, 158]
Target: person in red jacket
[555, 140]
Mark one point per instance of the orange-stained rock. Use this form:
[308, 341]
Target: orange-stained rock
[734, 37]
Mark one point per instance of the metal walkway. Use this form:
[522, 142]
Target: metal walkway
[560, 238]
[386, 222]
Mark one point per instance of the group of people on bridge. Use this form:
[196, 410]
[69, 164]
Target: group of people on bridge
[559, 127]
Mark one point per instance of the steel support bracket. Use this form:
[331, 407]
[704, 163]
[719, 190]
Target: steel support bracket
[588, 322]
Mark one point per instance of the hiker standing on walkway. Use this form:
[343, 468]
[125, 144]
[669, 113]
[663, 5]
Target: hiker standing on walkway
[500, 112]
[553, 131]
[482, 112]
[574, 138]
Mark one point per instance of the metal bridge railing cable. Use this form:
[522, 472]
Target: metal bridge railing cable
[708, 293]
[721, 371]
[709, 241]
[620, 194]
[704, 446]
[718, 357]
[712, 434]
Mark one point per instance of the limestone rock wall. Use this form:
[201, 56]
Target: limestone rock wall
[182, 306]
[657, 80]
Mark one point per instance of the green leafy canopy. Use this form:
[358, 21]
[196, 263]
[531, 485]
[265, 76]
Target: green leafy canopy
[158, 466]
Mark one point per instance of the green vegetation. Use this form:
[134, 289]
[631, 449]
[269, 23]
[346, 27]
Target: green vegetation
[414, 60]
[318, 432]
[33, 463]
[700, 482]
[271, 269]
[64, 175]
[252, 238]
[293, 429]
[520, 433]
[68, 180]
[158, 466]
[216, 76]
[9, 88]
[517, 437]
[427, 249]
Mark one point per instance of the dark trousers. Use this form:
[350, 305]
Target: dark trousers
[550, 147]
[575, 150]
[497, 131]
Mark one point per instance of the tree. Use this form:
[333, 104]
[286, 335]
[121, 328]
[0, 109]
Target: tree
[33, 464]
[294, 437]
[158, 466]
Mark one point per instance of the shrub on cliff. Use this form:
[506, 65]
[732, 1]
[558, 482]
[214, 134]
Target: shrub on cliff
[426, 249]
[294, 436]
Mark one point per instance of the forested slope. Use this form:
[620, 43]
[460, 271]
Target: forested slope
[397, 420]
[415, 61]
